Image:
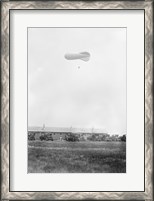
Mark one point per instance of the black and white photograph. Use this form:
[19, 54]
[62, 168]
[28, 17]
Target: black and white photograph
[77, 81]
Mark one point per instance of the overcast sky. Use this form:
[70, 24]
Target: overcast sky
[62, 95]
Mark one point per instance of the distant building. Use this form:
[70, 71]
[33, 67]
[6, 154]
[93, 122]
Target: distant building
[59, 133]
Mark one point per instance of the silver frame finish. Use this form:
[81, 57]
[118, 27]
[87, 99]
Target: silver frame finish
[5, 104]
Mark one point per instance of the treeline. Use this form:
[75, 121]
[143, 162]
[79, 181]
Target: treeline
[107, 137]
[94, 137]
[72, 137]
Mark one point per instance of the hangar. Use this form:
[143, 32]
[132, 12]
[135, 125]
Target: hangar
[59, 133]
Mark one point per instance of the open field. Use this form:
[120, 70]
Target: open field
[76, 157]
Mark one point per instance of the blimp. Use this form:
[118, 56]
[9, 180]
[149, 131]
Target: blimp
[84, 56]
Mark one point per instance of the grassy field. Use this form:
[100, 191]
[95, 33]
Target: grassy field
[76, 157]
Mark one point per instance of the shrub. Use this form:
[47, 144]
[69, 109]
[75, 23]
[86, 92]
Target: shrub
[123, 138]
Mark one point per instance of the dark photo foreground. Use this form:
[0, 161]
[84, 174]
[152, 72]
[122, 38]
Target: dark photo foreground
[76, 157]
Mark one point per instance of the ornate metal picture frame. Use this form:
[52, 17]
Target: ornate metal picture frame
[6, 6]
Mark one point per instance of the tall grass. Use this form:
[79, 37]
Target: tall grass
[77, 157]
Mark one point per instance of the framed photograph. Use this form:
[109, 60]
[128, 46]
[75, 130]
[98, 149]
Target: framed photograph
[76, 101]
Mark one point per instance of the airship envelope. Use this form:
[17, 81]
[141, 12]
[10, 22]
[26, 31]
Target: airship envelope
[85, 56]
